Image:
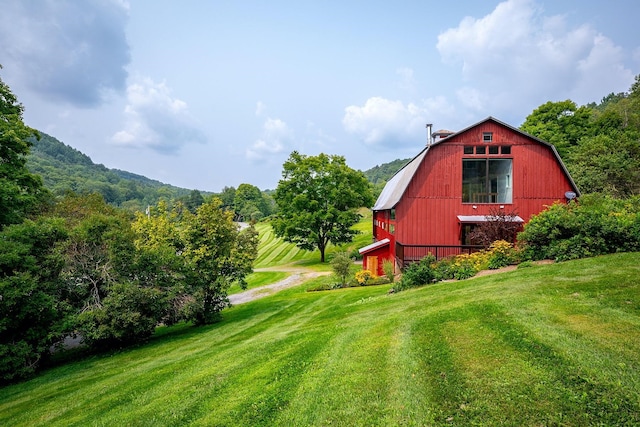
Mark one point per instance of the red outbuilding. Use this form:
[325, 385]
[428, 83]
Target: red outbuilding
[458, 181]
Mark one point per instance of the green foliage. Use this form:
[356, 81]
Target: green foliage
[363, 277]
[459, 267]
[20, 190]
[250, 204]
[64, 169]
[597, 225]
[32, 307]
[417, 274]
[128, 314]
[380, 174]
[341, 264]
[502, 254]
[600, 143]
[559, 123]
[607, 163]
[388, 267]
[318, 197]
[206, 254]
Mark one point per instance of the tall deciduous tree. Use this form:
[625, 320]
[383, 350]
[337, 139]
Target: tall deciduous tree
[560, 123]
[207, 254]
[250, 204]
[318, 197]
[19, 189]
[32, 306]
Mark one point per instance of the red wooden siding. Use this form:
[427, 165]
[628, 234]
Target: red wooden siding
[427, 214]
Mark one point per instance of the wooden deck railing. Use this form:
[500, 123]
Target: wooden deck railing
[406, 254]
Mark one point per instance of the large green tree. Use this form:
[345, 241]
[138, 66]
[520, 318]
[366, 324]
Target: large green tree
[318, 197]
[600, 143]
[205, 254]
[113, 286]
[19, 189]
[32, 296]
[560, 123]
[250, 204]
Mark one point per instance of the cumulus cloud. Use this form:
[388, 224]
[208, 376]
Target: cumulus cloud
[68, 51]
[276, 135]
[516, 51]
[390, 123]
[156, 120]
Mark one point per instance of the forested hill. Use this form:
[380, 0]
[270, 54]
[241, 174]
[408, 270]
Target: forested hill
[64, 169]
[380, 174]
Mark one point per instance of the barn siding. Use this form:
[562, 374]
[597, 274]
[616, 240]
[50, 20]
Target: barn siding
[427, 214]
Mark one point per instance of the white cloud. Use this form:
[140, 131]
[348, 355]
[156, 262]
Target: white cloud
[516, 56]
[156, 120]
[390, 123]
[67, 51]
[276, 135]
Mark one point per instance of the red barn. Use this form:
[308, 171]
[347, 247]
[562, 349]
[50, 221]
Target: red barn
[455, 183]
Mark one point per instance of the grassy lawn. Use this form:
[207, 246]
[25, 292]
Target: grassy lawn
[545, 345]
[273, 251]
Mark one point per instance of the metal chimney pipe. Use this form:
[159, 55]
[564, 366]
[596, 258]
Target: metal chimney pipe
[429, 138]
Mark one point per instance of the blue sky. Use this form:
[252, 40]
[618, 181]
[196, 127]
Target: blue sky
[207, 94]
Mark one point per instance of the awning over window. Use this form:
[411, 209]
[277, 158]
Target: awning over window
[474, 219]
[374, 245]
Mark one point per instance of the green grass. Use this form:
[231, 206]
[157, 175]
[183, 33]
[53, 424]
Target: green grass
[273, 251]
[545, 345]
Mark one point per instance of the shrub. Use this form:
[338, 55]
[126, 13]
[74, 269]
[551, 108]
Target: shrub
[388, 267]
[363, 276]
[597, 225]
[341, 264]
[500, 225]
[501, 254]
[418, 274]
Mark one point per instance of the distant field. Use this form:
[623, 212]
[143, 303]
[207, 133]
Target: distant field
[545, 345]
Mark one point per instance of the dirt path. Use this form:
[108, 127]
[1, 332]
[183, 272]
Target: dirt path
[298, 276]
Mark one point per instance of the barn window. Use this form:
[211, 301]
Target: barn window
[487, 136]
[505, 149]
[468, 149]
[487, 181]
[493, 149]
[481, 150]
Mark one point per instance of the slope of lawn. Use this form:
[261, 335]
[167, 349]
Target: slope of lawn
[273, 251]
[545, 345]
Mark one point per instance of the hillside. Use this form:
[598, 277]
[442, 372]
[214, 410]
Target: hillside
[545, 345]
[64, 168]
[380, 174]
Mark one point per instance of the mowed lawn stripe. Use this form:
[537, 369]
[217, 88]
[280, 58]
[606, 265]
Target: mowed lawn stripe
[537, 346]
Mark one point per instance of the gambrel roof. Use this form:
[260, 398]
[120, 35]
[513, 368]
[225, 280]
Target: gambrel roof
[397, 185]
